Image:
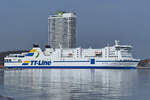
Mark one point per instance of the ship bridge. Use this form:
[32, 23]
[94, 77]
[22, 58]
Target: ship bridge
[124, 47]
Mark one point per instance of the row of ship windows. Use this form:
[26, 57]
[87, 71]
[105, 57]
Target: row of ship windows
[16, 56]
[9, 60]
[117, 56]
[79, 56]
[113, 56]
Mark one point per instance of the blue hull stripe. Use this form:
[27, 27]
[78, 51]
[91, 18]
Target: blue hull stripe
[71, 61]
[117, 61]
[97, 61]
[79, 67]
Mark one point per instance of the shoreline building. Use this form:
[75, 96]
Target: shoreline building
[62, 30]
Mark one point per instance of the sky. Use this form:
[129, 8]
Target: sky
[99, 22]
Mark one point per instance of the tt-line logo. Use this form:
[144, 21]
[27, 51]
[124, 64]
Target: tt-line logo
[40, 62]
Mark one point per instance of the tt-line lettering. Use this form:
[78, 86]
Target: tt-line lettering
[35, 62]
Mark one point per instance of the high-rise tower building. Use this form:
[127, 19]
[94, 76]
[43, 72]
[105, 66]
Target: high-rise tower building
[62, 30]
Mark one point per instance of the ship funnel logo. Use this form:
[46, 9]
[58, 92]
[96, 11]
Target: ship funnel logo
[32, 52]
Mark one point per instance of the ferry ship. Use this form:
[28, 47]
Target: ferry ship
[110, 57]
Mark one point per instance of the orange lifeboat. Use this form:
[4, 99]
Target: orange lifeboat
[70, 54]
[98, 52]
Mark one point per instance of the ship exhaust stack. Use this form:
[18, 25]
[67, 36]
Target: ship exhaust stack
[35, 45]
[47, 46]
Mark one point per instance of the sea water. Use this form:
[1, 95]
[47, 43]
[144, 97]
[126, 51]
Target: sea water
[75, 84]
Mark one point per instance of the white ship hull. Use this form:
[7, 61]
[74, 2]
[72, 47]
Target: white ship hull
[117, 56]
[78, 64]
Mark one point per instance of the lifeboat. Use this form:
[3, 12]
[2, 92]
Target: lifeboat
[69, 54]
[98, 52]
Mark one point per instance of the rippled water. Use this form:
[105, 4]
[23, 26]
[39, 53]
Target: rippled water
[75, 84]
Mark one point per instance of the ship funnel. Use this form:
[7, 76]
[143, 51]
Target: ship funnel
[47, 46]
[35, 45]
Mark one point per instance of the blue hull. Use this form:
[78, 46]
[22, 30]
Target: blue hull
[72, 67]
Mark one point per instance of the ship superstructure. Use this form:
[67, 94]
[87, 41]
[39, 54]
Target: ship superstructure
[116, 56]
